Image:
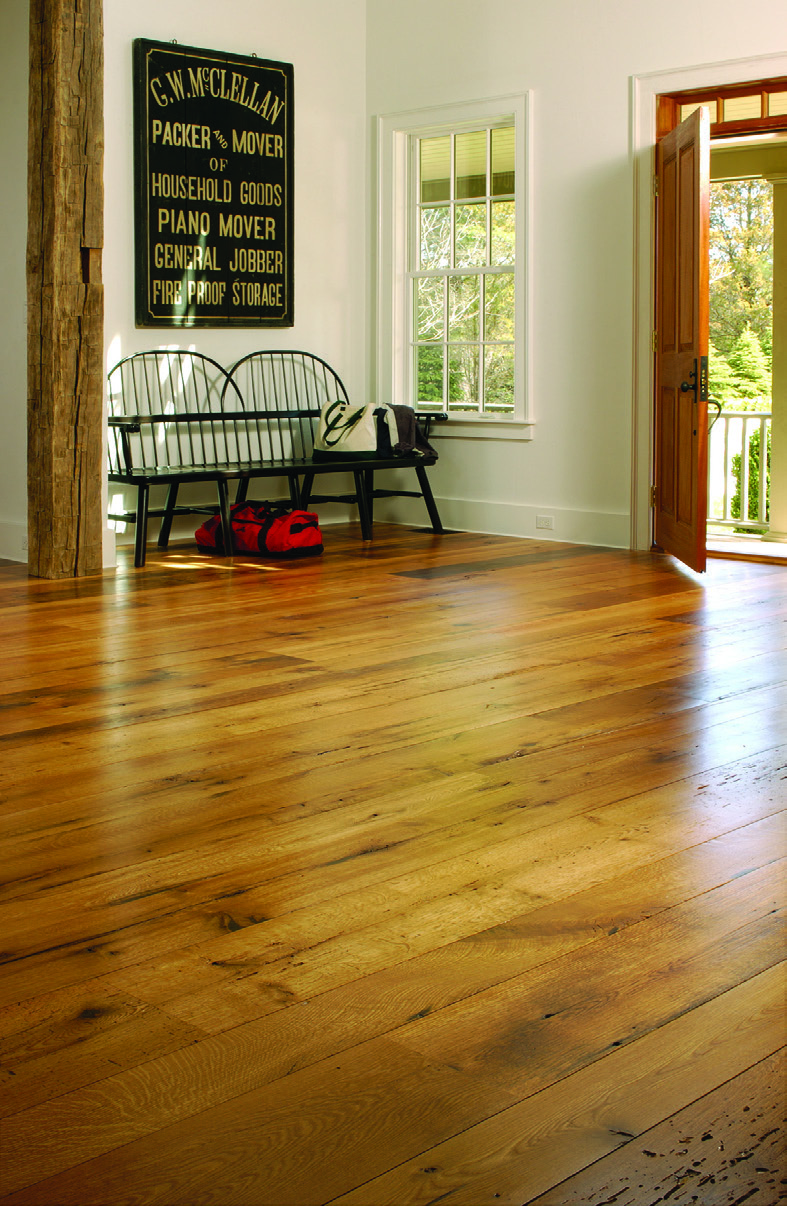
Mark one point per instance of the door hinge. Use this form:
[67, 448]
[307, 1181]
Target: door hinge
[653, 496]
[655, 186]
[655, 341]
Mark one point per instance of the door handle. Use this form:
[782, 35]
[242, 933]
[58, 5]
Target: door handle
[693, 383]
[718, 405]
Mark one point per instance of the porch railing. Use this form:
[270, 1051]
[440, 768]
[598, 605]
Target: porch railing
[739, 446]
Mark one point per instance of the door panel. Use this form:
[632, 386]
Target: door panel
[666, 436]
[681, 429]
[667, 320]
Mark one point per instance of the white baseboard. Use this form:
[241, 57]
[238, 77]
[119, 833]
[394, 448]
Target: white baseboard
[13, 540]
[13, 543]
[609, 529]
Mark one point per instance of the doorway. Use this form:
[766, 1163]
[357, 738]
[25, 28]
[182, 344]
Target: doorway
[645, 93]
[745, 123]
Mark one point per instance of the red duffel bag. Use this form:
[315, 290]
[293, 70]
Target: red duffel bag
[264, 528]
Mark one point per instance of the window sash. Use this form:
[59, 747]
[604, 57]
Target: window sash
[462, 362]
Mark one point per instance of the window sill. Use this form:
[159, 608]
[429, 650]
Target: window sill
[482, 429]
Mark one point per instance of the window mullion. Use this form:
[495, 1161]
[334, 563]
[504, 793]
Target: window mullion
[482, 289]
[451, 268]
[481, 342]
[414, 263]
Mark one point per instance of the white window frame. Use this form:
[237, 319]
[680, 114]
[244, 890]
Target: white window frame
[395, 191]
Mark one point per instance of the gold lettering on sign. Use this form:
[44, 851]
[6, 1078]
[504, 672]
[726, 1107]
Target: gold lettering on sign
[184, 255]
[180, 134]
[183, 221]
[258, 192]
[239, 226]
[205, 293]
[256, 259]
[190, 188]
[168, 293]
[255, 293]
[251, 142]
[218, 82]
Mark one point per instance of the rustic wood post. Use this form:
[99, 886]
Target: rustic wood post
[65, 295]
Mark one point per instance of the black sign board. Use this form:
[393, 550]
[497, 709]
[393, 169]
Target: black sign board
[214, 188]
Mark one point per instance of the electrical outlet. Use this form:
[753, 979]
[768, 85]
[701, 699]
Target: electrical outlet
[545, 521]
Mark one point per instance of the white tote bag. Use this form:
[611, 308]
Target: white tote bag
[355, 432]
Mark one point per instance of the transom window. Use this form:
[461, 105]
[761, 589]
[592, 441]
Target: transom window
[462, 271]
[753, 107]
[759, 106]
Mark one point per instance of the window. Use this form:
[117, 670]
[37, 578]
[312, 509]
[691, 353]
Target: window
[462, 262]
[453, 238]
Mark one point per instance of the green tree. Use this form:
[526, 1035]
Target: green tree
[750, 370]
[754, 480]
[721, 379]
[741, 262]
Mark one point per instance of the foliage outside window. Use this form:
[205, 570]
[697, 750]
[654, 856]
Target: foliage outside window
[462, 265]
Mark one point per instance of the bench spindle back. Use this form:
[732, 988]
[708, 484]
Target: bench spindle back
[286, 390]
[149, 386]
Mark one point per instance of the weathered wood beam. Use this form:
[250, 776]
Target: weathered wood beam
[65, 293]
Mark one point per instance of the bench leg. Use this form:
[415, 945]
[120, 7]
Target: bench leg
[368, 483]
[306, 490]
[363, 505]
[431, 505]
[295, 494]
[141, 534]
[226, 518]
[166, 522]
[242, 490]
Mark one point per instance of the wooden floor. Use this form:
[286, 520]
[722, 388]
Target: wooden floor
[442, 869]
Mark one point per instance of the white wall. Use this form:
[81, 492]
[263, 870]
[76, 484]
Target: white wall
[355, 59]
[578, 59]
[326, 44]
[13, 349]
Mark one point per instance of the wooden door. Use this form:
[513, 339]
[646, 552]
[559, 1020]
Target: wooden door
[681, 435]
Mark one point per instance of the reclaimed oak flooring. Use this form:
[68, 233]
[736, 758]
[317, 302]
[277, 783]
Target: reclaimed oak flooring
[437, 869]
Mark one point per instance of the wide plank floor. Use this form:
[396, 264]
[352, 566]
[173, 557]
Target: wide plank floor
[437, 869]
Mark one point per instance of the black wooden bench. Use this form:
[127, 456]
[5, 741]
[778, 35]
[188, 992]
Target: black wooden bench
[179, 417]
